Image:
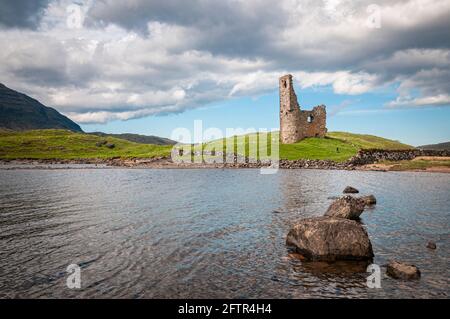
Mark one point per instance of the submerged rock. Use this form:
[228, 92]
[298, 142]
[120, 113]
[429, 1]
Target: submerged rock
[350, 190]
[431, 245]
[399, 270]
[296, 256]
[368, 200]
[339, 267]
[346, 207]
[330, 239]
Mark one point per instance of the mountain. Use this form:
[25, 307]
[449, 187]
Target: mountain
[439, 146]
[137, 138]
[20, 112]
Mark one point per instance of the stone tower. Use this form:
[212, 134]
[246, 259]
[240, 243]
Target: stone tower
[296, 124]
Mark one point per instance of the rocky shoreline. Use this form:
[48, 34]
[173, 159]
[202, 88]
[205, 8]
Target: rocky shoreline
[361, 161]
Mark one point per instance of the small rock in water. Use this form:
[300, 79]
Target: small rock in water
[276, 211]
[399, 270]
[350, 190]
[274, 278]
[431, 245]
[369, 200]
[346, 207]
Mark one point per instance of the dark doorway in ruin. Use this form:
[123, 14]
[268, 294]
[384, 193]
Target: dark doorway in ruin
[310, 118]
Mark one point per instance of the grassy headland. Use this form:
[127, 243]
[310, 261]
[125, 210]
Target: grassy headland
[336, 146]
[62, 144]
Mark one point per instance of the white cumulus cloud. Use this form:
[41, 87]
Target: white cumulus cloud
[134, 59]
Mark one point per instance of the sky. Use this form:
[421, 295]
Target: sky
[149, 67]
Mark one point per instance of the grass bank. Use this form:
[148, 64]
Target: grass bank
[336, 146]
[417, 164]
[62, 144]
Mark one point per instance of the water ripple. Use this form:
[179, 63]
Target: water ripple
[209, 233]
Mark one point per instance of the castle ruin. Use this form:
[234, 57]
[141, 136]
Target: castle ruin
[296, 124]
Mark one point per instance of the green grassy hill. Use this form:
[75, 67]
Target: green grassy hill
[62, 144]
[337, 146]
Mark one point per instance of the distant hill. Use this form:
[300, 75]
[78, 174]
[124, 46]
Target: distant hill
[20, 112]
[439, 146]
[137, 138]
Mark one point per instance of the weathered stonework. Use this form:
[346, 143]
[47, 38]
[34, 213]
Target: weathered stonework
[296, 124]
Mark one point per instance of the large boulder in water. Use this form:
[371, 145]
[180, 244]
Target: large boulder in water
[346, 207]
[330, 239]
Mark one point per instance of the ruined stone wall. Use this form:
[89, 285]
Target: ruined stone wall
[313, 123]
[295, 124]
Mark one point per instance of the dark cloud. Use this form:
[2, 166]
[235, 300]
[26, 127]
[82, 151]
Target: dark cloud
[255, 29]
[232, 28]
[21, 13]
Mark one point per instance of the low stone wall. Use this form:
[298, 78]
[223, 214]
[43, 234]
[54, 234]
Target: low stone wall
[362, 158]
[318, 164]
[374, 155]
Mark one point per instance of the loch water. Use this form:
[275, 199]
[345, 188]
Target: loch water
[210, 233]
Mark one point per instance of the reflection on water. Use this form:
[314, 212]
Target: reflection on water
[209, 233]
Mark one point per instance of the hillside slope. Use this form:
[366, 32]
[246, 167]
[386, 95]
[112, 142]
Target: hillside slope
[63, 144]
[337, 146]
[365, 141]
[21, 112]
